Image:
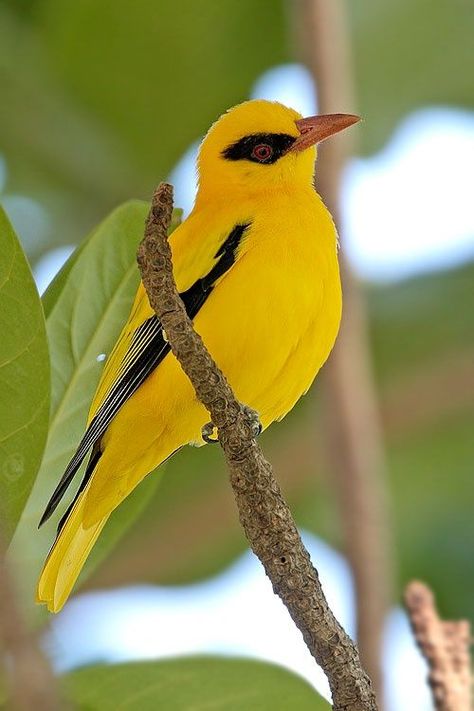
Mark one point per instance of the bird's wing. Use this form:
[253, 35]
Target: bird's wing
[138, 351]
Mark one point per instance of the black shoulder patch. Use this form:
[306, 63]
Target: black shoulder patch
[196, 295]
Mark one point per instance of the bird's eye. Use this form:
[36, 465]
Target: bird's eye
[262, 152]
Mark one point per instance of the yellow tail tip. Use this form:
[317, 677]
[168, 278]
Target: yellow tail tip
[46, 591]
[67, 557]
[50, 603]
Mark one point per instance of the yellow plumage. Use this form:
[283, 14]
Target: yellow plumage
[270, 318]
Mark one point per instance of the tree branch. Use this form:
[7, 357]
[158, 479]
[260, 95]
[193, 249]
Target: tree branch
[445, 646]
[263, 513]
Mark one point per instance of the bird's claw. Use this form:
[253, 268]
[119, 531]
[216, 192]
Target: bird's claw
[206, 433]
[254, 421]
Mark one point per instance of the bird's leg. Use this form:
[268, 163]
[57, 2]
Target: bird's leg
[206, 433]
[254, 421]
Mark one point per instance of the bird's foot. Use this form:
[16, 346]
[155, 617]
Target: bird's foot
[208, 430]
[206, 433]
[254, 420]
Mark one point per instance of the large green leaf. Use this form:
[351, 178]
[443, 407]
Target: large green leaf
[191, 684]
[24, 379]
[87, 305]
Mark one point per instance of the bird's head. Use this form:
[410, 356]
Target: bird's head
[262, 145]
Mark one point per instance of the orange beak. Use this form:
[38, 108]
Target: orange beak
[315, 129]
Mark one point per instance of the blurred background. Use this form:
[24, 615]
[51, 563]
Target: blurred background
[102, 100]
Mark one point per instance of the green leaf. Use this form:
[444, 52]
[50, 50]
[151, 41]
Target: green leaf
[191, 684]
[24, 379]
[87, 305]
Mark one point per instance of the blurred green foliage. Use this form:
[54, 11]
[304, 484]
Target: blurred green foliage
[103, 98]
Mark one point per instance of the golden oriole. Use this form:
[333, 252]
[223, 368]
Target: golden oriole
[256, 265]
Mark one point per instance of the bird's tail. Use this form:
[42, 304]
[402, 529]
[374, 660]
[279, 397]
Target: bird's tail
[67, 556]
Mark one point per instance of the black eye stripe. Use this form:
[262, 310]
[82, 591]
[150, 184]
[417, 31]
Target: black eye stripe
[243, 148]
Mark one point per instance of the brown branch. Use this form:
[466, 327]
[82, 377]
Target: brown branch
[355, 450]
[29, 677]
[263, 513]
[445, 646]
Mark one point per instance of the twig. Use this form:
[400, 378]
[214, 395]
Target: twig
[355, 449]
[29, 677]
[445, 646]
[264, 515]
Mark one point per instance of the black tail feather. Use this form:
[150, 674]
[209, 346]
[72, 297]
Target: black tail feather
[64, 483]
[91, 465]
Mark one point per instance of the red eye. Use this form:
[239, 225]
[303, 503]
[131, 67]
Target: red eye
[262, 152]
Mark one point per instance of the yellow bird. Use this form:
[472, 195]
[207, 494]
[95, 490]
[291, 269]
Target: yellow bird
[256, 265]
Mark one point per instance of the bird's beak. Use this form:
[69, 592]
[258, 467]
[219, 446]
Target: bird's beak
[317, 128]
